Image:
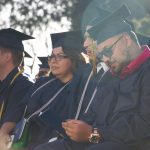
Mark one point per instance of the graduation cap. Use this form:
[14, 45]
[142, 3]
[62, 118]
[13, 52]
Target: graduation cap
[44, 64]
[111, 25]
[143, 39]
[70, 41]
[26, 54]
[102, 14]
[10, 38]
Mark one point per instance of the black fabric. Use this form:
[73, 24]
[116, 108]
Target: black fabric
[44, 61]
[62, 145]
[126, 114]
[18, 90]
[110, 146]
[121, 113]
[59, 107]
[65, 145]
[94, 82]
[48, 115]
[6, 100]
[79, 83]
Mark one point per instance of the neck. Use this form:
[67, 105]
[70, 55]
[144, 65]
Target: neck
[5, 71]
[65, 78]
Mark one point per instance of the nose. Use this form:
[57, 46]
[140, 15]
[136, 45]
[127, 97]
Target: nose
[52, 60]
[85, 44]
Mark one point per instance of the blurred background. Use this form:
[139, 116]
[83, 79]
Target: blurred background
[40, 18]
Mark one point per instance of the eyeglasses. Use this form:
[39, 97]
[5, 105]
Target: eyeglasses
[107, 51]
[57, 57]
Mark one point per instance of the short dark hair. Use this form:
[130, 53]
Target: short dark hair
[17, 57]
[16, 54]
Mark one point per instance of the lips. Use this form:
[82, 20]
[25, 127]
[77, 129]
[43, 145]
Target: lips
[110, 64]
[53, 68]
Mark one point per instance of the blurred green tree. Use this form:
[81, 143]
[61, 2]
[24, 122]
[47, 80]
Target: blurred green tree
[33, 15]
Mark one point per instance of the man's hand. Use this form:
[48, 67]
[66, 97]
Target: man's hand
[4, 140]
[4, 134]
[77, 130]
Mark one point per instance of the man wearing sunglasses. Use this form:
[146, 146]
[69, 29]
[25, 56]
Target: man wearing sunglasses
[118, 118]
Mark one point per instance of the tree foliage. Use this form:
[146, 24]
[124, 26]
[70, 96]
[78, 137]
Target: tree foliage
[33, 15]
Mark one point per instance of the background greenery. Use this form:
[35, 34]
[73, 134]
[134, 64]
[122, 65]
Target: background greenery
[33, 15]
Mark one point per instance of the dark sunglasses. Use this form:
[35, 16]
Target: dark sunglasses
[107, 51]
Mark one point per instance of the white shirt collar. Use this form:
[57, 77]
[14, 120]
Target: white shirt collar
[103, 66]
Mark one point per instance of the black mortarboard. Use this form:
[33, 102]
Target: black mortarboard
[26, 54]
[102, 14]
[91, 11]
[69, 41]
[44, 61]
[111, 25]
[143, 40]
[11, 38]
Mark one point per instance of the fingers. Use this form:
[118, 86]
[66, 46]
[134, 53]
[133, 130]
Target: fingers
[69, 128]
[71, 134]
[72, 121]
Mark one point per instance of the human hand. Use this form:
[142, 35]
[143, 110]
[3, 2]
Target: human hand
[4, 140]
[77, 130]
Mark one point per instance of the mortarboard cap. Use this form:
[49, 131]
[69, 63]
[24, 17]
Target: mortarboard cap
[11, 38]
[26, 54]
[70, 41]
[44, 61]
[111, 25]
[143, 39]
[102, 14]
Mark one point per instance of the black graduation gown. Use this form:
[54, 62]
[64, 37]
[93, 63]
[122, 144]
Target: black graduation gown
[59, 106]
[12, 94]
[80, 80]
[122, 110]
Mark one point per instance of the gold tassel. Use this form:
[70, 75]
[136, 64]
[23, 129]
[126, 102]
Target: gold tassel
[94, 59]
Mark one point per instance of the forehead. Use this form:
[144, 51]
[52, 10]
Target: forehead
[57, 50]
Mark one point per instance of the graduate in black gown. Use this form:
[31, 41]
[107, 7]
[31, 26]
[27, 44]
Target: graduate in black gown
[13, 85]
[119, 115]
[96, 72]
[43, 68]
[57, 89]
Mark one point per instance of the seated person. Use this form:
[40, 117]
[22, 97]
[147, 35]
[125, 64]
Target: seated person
[13, 84]
[118, 118]
[55, 90]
